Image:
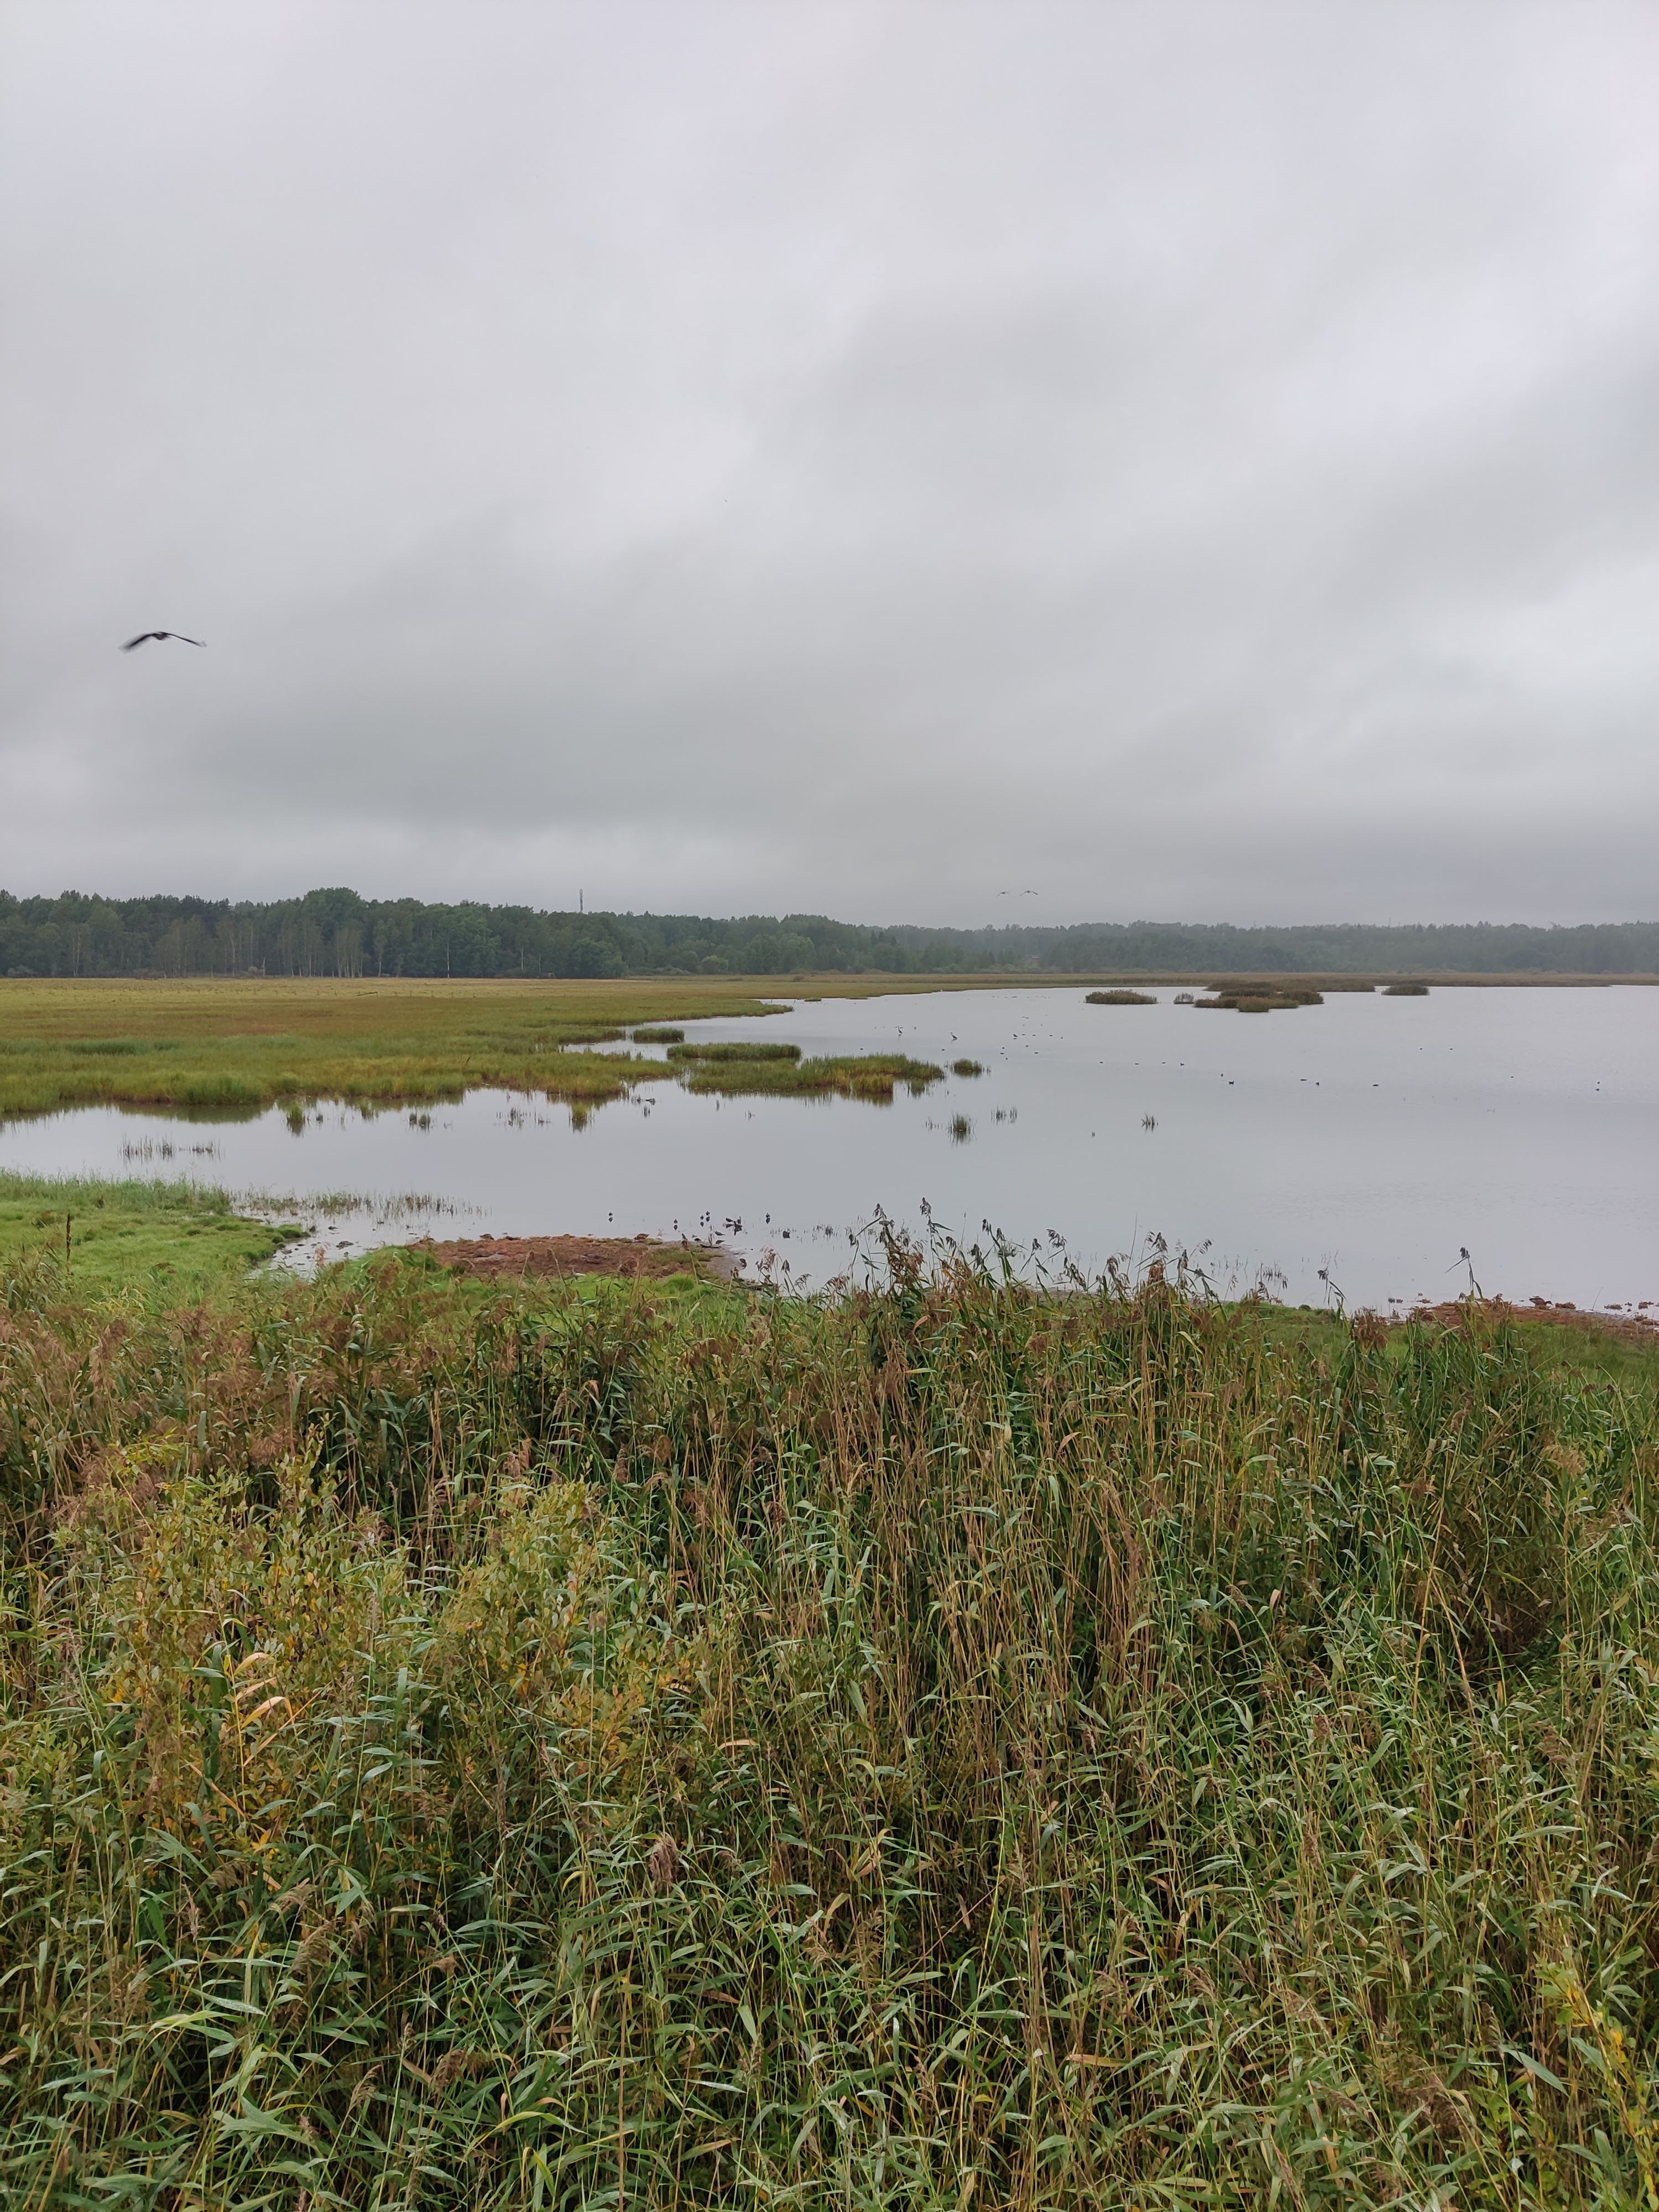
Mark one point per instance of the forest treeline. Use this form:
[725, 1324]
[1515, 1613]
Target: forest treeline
[336, 933]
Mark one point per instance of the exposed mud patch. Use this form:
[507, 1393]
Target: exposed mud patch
[1629, 1328]
[508, 1258]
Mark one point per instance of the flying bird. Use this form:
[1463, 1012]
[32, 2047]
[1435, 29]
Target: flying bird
[145, 636]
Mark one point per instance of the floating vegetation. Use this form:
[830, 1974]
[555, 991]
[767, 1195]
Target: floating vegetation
[655, 1033]
[1120, 998]
[962, 1128]
[967, 1067]
[1405, 990]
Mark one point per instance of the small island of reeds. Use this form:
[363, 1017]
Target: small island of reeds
[1124, 998]
[1256, 1001]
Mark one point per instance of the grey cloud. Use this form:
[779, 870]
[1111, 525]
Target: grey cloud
[1204, 462]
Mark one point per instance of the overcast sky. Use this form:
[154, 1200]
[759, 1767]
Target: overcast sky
[1199, 462]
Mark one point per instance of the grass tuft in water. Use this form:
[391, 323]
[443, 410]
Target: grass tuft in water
[725, 1056]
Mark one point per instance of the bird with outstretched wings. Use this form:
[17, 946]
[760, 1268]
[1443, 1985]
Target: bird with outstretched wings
[145, 636]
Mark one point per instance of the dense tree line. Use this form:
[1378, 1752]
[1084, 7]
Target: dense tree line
[336, 933]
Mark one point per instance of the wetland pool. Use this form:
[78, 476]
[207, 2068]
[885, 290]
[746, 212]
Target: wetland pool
[1371, 1138]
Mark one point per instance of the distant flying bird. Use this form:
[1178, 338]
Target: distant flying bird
[145, 636]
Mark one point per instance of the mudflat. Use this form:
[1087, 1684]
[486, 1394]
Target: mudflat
[497, 1259]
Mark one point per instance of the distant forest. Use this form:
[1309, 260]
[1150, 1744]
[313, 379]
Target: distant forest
[336, 933]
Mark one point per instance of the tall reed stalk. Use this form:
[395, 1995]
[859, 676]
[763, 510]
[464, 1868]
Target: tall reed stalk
[951, 1746]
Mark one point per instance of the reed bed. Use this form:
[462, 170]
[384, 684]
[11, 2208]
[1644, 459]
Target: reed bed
[951, 1744]
[232, 1048]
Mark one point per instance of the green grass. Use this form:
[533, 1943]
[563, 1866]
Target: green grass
[779, 1071]
[218, 1051]
[231, 1049]
[952, 1747]
[714, 1055]
[113, 1235]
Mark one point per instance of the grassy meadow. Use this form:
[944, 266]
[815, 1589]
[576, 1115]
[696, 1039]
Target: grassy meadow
[214, 1049]
[942, 1745]
[112, 1237]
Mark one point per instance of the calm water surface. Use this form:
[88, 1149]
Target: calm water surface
[1369, 1136]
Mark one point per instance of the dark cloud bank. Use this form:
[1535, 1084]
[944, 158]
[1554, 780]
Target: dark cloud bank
[1182, 460]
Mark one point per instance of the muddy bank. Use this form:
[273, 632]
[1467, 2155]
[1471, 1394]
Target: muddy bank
[510, 1258]
[1630, 1326]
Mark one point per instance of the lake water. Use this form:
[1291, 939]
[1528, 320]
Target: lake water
[1371, 1137]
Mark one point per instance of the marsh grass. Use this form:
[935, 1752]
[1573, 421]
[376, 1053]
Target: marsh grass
[951, 1745]
[1120, 998]
[742, 1055]
[113, 1235]
[874, 1077]
[1404, 991]
[1257, 1001]
[228, 1050]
